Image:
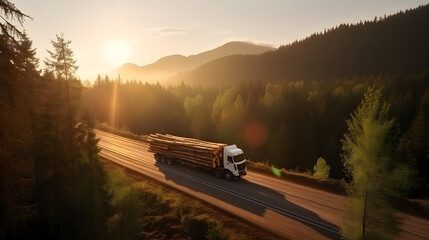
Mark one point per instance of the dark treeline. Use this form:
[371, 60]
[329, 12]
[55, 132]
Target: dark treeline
[288, 124]
[51, 182]
[395, 44]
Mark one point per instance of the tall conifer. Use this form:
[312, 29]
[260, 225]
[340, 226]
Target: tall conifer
[379, 179]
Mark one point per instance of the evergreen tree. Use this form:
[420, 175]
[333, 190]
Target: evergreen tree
[415, 146]
[43, 144]
[96, 180]
[321, 169]
[61, 59]
[14, 124]
[9, 12]
[70, 175]
[379, 179]
[61, 62]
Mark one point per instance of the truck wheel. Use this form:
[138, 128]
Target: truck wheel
[169, 161]
[162, 159]
[218, 173]
[228, 176]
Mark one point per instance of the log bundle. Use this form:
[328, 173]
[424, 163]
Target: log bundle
[195, 151]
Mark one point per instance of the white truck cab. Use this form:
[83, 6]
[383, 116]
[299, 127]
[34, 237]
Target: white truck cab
[234, 161]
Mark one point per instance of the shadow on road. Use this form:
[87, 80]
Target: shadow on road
[236, 193]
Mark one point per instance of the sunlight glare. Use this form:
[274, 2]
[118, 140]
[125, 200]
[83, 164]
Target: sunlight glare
[113, 114]
[116, 52]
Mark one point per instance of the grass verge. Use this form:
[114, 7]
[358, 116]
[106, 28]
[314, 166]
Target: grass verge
[168, 214]
[330, 185]
[123, 133]
[415, 207]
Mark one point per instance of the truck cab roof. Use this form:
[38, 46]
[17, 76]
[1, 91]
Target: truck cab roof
[233, 150]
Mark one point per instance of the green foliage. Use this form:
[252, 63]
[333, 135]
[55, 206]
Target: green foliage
[202, 227]
[273, 95]
[16, 128]
[273, 101]
[92, 205]
[300, 121]
[379, 179]
[228, 109]
[215, 231]
[223, 103]
[182, 208]
[415, 147]
[145, 211]
[276, 172]
[144, 108]
[49, 171]
[196, 110]
[321, 169]
[18, 66]
[125, 223]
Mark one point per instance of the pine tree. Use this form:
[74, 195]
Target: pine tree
[378, 178]
[10, 12]
[61, 59]
[415, 147]
[14, 124]
[97, 178]
[46, 149]
[62, 64]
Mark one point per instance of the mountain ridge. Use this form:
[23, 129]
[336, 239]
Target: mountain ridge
[396, 44]
[169, 66]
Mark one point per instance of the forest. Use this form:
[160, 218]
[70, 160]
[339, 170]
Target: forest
[49, 171]
[288, 124]
[290, 118]
[53, 184]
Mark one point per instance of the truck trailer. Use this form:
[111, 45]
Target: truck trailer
[225, 161]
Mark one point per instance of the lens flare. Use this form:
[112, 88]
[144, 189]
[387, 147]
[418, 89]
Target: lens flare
[255, 134]
[276, 172]
[113, 116]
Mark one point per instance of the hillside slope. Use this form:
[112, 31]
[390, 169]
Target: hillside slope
[171, 65]
[397, 44]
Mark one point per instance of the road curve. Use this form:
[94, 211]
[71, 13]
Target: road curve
[286, 209]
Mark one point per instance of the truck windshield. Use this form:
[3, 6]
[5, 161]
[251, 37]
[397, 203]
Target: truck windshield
[239, 158]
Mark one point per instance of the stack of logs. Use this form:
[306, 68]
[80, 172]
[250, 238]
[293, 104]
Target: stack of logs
[198, 152]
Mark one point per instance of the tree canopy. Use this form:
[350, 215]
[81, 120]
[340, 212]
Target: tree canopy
[380, 179]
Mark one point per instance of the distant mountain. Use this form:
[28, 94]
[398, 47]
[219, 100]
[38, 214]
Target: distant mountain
[169, 66]
[397, 44]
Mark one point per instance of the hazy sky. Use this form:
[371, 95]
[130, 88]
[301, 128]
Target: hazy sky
[106, 33]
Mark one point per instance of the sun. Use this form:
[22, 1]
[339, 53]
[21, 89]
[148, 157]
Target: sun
[116, 52]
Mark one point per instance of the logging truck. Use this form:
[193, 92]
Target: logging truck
[224, 161]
